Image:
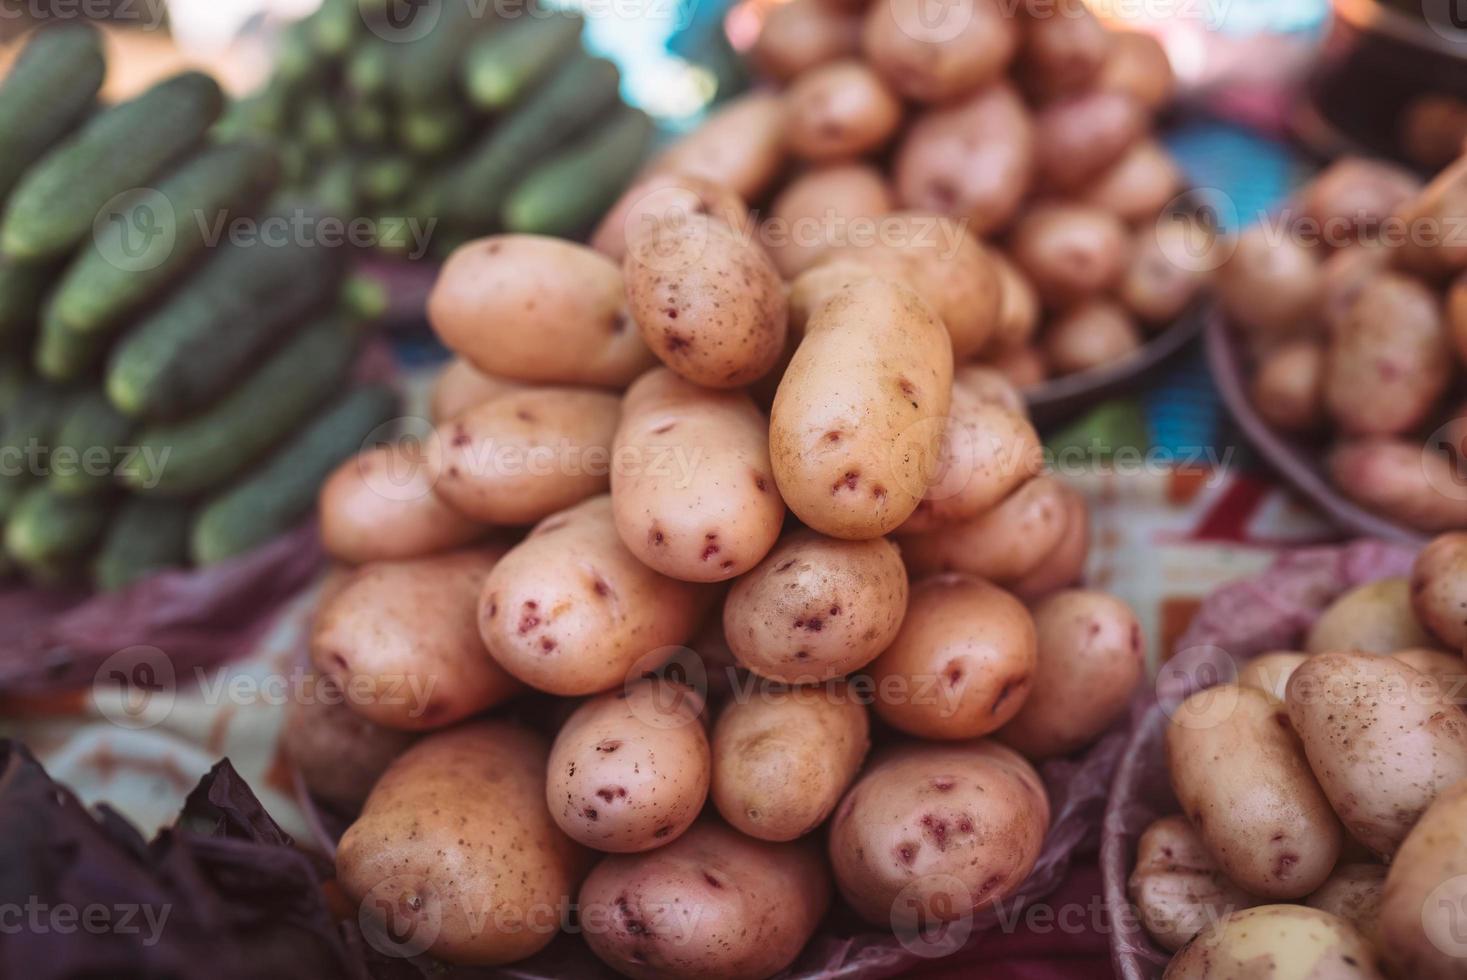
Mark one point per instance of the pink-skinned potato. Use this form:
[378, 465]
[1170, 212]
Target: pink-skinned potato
[380, 506]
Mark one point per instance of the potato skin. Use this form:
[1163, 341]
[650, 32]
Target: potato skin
[570, 611]
[1353, 893]
[1090, 335]
[1078, 137]
[1090, 657]
[1065, 48]
[757, 905]
[816, 608]
[460, 386]
[1018, 308]
[1176, 885]
[818, 209]
[1270, 287]
[963, 663]
[400, 639]
[839, 111]
[1355, 194]
[1242, 779]
[1270, 672]
[629, 769]
[1288, 389]
[1383, 741]
[1003, 544]
[938, 59]
[531, 308]
[380, 506]
[1439, 588]
[1422, 896]
[1065, 563]
[783, 759]
[1373, 618]
[1070, 251]
[1436, 206]
[1399, 479]
[1138, 65]
[802, 34]
[1445, 668]
[339, 754]
[1161, 277]
[937, 830]
[665, 198]
[856, 424]
[1277, 941]
[741, 146]
[1138, 185]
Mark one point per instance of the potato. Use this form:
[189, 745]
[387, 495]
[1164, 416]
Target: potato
[1354, 195]
[803, 34]
[1353, 893]
[664, 199]
[1389, 363]
[1401, 480]
[839, 111]
[1439, 588]
[991, 387]
[380, 506]
[1421, 903]
[1002, 545]
[1070, 251]
[339, 754]
[963, 663]
[1090, 657]
[1373, 618]
[1078, 137]
[938, 54]
[460, 386]
[740, 146]
[972, 159]
[856, 427]
[1090, 335]
[1024, 367]
[1065, 47]
[629, 770]
[530, 308]
[1018, 307]
[1277, 942]
[934, 833]
[1382, 738]
[1167, 268]
[708, 301]
[1288, 390]
[713, 904]
[1432, 130]
[817, 608]
[400, 640]
[1139, 185]
[1177, 887]
[821, 209]
[1433, 245]
[1270, 285]
[1445, 668]
[1270, 672]
[783, 759]
[570, 611]
[1137, 65]
[1343, 275]
[1456, 316]
[1065, 563]
[693, 491]
[1241, 777]
[456, 852]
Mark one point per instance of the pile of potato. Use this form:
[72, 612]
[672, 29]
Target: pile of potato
[1324, 797]
[737, 554]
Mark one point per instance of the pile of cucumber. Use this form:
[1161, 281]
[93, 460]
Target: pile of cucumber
[475, 117]
[174, 383]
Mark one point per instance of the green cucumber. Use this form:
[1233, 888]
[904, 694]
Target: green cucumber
[386, 179]
[368, 123]
[46, 528]
[335, 188]
[432, 132]
[334, 27]
[144, 538]
[90, 444]
[499, 69]
[32, 422]
[321, 128]
[279, 493]
[426, 71]
[63, 354]
[52, 87]
[13, 379]
[369, 69]
[23, 286]
[571, 191]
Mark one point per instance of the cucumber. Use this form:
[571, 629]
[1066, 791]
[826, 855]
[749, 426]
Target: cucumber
[426, 71]
[279, 493]
[32, 423]
[56, 202]
[364, 299]
[13, 379]
[23, 285]
[51, 88]
[90, 444]
[265, 112]
[211, 449]
[144, 538]
[569, 193]
[297, 64]
[386, 179]
[369, 69]
[335, 188]
[334, 27]
[499, 69]
[368, 123]
[63, 354]
[187, 352]
[46, 528]
[432, 132]
[154, 235]
[320, 126]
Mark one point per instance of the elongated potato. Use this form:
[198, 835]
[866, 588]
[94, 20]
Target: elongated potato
[1065, 47]
[1003, 544]
[821, 209]
[693, 491]
[817, 608]
[741, 146]
[380, 506]
[1288, 389]
[713, 904]
[1242, 779]
[1271, 283]
[1439, 588]
[803, 34]
[460, 386]
[1275, 942]
[1018, 307]
[629, 770]
[990, 385]
[525, 455]
[664, 199]
[1270, 672]
[1434, 246]
[1402, 480]
[1176, 885]
[1138, 65]
[783, 759]
[1138, 185]
[1078, 137]
[1382, 738]
[1070, 251]
[1065, 564]
[1373, 618]
[530, 308]
[1353, 195]
[1353, 893]
[570, 611]
[938, 54]
[339, 754]
[1421, 903]
[1167, 268]
[1024, 366]
[856, 426]
[455, 854]
[839, 111]
[934, 833]
[1344, 274]
[400, 640]
[1090, 335]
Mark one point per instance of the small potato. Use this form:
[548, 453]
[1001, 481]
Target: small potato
[991, 387]
[741, 146]
[936, 55]
[1078, 137]
[934, 833]
[629, 770]
[712, 904]
[803, 34]
[820, 209]
[1271, 283]
[570, 611]
[1138, 66]
[460, 386]
[1002, 545]
[400, 639]
[1137, 186]
[664, 199]
[1240, 774]
[1439, 588]
[1382, 738]
[1401, 480]
[530, 308]
[1445, 668]
[856, 426]
[1353, 195]
[1372, 618]
[1065, 564]
[1070, 251]
[1353, 893]
[1421, 903]
[1288, 389]
[783, 759]
[972, 159]
[1090, 335]
[523, 456]
[693, 491]
[1018, 307]
[1277, 942]
[1065, 47]
[1091, 655]
[1433, 129]
[1270, 672]
[339, 754]
[963, 663]
[1389, 363]
[1456, 314]
[708, 301]
[1166, 269]
[839, 111]
[1429, 247]
[380, 506]
[1176, 885]
[1344, 275]
[817, 608]
[455, 852]
[1024, 367]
